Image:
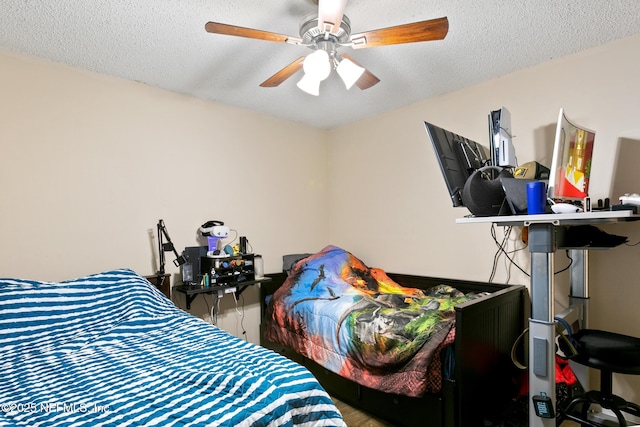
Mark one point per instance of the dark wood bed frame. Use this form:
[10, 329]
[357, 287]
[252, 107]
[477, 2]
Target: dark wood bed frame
[486, 329]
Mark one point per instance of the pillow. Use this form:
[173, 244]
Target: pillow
[289, 261]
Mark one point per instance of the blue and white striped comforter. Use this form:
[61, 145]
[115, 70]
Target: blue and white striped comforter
[111, 350]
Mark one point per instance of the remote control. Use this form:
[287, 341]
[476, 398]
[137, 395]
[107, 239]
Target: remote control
[630, 199]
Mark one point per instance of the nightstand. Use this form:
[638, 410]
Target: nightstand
[161, 282]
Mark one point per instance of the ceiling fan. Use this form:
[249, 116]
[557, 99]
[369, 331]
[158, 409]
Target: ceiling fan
[326, 32]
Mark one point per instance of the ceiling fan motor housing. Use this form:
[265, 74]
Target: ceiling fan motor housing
[310, 33]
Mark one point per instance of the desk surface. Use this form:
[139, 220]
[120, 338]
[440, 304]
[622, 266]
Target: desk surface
[595, 217]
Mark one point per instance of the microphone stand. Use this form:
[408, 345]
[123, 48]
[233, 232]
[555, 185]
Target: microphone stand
[165, 247]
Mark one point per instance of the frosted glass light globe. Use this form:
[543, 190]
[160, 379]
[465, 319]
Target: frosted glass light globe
[316, 65]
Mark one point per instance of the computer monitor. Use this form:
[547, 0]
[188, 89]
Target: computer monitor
[571, 163]
[458, 158]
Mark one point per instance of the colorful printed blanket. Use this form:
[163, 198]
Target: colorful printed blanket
[357, 322]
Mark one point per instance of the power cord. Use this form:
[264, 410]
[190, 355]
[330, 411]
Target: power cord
[502, 251]
[496, 256]
[214, 308]
[507, 263]
[566, 252]
[235, 237]
[240, 314]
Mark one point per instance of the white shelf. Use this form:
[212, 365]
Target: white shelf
[595, 217]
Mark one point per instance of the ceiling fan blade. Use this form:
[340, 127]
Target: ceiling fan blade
[233, 30]
[284, 73]
[432, 29]
[330, 15]
[367, 79]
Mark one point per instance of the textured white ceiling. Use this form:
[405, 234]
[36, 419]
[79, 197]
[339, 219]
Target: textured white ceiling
[163, 43]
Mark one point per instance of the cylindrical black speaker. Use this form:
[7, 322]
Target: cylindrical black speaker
[483, 194]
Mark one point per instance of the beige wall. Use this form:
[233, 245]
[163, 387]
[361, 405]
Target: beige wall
[81, 178]
[389, 203]
[89, 164]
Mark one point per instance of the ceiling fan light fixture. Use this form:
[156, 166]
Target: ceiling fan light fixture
[310, 85]
[317, 65]
[325, 32]
[349, 72]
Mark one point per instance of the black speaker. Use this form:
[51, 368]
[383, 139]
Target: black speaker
[483, 194]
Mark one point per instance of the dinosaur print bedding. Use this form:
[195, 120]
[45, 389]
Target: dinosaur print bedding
[357, 322]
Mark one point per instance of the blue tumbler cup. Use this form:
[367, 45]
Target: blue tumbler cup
[536, 198]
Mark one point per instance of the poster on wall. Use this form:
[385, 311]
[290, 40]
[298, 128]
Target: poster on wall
[571, 163]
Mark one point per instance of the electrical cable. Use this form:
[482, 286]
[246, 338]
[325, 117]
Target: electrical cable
[240, 314]
[568, 266]
[496, 257]
[235, 237]
[244, 331]
[235, 298]
[501, 249]
[507, 264]
[512, 252]
[214, 309]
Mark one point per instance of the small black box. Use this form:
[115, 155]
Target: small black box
[193, 255]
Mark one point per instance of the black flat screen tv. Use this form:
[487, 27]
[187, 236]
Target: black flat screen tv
[458, 158]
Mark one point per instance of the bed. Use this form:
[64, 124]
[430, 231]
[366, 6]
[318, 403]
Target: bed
[441, 352]
[110, 349]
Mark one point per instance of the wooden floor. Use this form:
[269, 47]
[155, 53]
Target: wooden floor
[356, 418]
